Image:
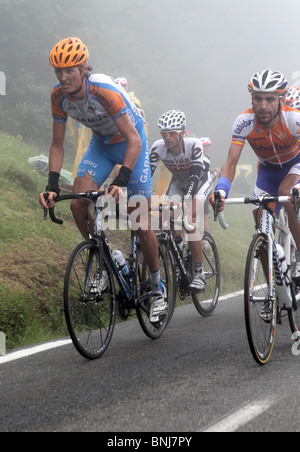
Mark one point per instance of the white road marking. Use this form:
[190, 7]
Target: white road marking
[241, 417]
[33, 350]
[50, 345]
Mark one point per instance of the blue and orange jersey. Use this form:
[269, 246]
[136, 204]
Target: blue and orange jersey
[275, 147]
[106, 102]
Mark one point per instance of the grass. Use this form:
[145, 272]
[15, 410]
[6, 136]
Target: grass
[34, 253]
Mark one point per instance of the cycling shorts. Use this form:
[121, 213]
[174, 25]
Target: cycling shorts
[176, 193]
[100, 159]
[269, 181]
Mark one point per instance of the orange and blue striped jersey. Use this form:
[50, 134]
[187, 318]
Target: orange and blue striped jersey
[106, 102]
[277, 146]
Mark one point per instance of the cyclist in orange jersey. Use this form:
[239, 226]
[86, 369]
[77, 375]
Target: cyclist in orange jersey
[273, 131]
[118, 137]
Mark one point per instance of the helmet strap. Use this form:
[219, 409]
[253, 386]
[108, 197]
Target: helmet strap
[83, 78]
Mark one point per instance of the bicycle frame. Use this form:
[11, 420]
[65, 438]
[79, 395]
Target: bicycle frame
[268, 225]
[169, 239]
[128, 286]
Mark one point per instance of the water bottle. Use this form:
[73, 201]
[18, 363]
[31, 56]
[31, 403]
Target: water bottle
[280, 252]
[120, 259]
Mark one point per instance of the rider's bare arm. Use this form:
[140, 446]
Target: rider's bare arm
[134, 146]
[228, 173]
[56, 158]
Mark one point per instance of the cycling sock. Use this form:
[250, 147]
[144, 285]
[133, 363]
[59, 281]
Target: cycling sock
[157, 286]
[198, 268]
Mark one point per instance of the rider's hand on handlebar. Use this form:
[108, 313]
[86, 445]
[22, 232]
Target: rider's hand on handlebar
[116, 192]
[47, 201]
[221, 201]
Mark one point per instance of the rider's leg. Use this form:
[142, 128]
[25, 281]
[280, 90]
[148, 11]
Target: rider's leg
[284, 190]
[195, 245]
[139, 209]
[79, 207]
[93, 170]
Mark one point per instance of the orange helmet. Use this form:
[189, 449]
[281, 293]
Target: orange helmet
[68, 52]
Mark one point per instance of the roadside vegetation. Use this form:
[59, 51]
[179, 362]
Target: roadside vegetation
[34, 252]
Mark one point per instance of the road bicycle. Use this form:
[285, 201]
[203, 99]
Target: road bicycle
[270, 293]
[90, 292]
[181, 267]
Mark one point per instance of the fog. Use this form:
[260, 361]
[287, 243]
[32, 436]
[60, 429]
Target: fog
[198, 55]
[192, 55]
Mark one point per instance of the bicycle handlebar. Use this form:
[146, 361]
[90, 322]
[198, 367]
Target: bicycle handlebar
[261, 201]
[93, 196]
[188, 227]
[89, 195]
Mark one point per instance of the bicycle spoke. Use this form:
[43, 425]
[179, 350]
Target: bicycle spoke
[90, 312]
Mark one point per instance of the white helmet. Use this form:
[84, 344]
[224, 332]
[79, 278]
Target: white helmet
[172, 120]
[268, 81]
[293, 95]
[296, 103]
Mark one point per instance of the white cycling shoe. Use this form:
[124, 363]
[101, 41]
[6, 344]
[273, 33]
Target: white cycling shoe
[159, 307]
[198, 284]
[99, 285]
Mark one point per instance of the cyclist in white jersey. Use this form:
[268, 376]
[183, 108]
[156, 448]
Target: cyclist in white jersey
[191, 180]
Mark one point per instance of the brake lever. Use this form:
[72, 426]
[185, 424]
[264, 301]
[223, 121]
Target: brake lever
[46, 196]
[295, 201]
[216, 205]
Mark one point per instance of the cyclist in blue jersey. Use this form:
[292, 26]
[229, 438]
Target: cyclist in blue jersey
[100, 103]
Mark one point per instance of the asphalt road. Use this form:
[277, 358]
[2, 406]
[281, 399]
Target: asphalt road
[199, 376]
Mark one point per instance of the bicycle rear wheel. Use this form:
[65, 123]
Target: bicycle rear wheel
[152, 330]
[206, 303]
[260, 331]
[89, 300]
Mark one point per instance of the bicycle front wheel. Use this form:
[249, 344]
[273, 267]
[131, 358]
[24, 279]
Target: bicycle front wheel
[260, 305]
[89, 300]
[207, 302]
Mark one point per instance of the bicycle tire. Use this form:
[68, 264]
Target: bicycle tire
[90, 314]
[260, 334]
[211, 265]
[153, 331]
[172, 277]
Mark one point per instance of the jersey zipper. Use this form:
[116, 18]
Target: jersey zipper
[274, 148]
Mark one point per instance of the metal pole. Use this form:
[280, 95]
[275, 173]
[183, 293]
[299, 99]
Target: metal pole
[2, 344]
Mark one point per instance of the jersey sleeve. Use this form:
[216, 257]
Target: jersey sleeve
[154, 157]
[242, 127]
[292, 119]
[56, 105]
[196, 169]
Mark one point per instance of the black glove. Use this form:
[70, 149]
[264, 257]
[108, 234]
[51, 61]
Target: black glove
[53, 182]
[122, 180]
